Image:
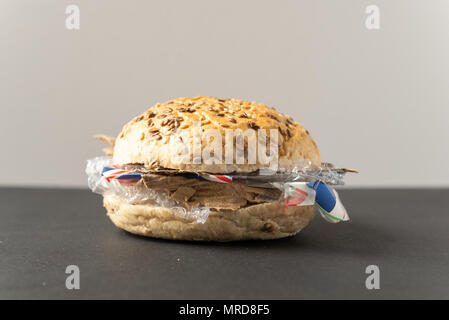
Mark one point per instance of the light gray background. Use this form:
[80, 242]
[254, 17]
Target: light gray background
[373, 100]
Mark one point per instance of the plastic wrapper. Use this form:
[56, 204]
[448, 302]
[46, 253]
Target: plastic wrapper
[302, 184]
[134, 194]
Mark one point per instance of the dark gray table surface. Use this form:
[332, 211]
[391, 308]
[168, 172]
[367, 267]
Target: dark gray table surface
[404, 232]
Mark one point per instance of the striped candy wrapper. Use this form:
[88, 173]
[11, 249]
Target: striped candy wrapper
[318, 193]
[123, 176]
[217, 178]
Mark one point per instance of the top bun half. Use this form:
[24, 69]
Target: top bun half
[154, 138]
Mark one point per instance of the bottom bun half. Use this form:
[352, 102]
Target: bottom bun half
[257, 222]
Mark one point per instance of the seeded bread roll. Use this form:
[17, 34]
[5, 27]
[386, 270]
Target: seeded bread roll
[158, 136]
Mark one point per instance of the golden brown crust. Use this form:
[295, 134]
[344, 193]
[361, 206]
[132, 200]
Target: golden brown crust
[150, 138]
[257, 222]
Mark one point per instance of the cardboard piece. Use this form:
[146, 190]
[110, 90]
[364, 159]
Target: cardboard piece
[194, 192]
